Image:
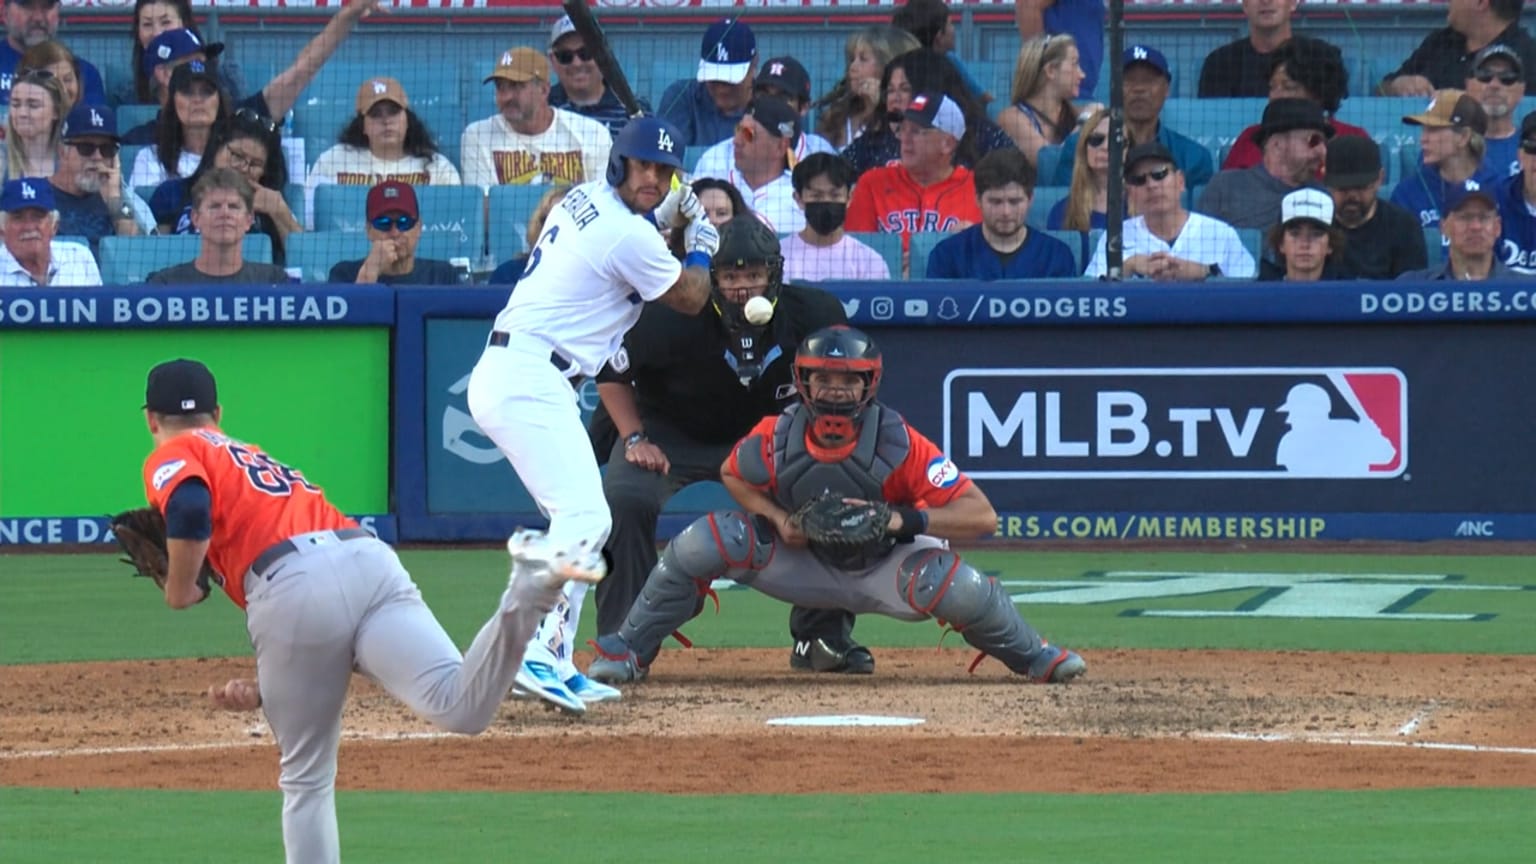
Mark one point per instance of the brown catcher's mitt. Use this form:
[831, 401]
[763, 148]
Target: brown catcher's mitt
[141, 535]
[832, 523]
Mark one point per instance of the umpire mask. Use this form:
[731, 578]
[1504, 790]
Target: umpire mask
[748, 264]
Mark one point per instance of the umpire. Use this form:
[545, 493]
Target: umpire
[692, 386]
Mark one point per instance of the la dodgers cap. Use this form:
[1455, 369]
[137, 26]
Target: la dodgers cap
[34, 193]
[89, 120]
[172, 45]
[1307, 205]
[1451, 108]
[192, 70]
[392, 196]
[520, 64]
[383, 89]
[1468, 190]
[937, 111]
[181, 387]
[1148, 55]
[562, 28]
[726, 51]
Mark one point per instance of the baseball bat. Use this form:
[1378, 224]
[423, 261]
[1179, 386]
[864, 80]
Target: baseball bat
[597, 46]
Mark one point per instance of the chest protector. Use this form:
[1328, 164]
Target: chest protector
[882, 446]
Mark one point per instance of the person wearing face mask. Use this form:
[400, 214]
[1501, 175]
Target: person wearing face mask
[822, 249]
[693, 385]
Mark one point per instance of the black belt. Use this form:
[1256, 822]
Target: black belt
[567, 366]
[277, 551]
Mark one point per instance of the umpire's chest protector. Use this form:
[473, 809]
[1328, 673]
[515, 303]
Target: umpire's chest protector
[882, 446]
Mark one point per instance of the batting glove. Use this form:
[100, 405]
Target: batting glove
[701, 237]
[679, 208]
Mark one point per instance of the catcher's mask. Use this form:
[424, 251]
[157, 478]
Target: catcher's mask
[837, 349]
[744, 242]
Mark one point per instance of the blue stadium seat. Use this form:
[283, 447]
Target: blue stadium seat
[128, 260]
[922, 246]
[1046, 161]
[1435, 245]
[691, 157]
[455, 211]
[511, 207]
[129, 116]
[1045, 198]
[1077, 241]
[1253, 241]
[889, 247]
[1212, 123]
[316, 252]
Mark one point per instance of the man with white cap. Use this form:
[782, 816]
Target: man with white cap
[31, 258]
[1471, 226]
[758, 160]
[528, 141]
[1306, 243]
[706, 110]
[581, 87]
[926, 190]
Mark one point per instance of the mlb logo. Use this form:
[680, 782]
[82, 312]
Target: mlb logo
[1347, 423]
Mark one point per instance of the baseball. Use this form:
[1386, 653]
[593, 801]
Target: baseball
[758, 310]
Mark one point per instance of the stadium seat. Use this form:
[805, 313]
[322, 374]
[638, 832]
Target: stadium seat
[457, 211]
[1077, 241]
[128, 260]
[511, 207]
[922, 246]
[1046, 161]
[1253, 241]
[1435, 245]
[1046, 197]
[320, 125]
[129, 116]
[889, 247]
[691, 157]
[314, 253]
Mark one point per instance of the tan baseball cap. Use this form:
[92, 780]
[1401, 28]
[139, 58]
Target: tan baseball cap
[520, 64]
[1452, 108]
[376, 90]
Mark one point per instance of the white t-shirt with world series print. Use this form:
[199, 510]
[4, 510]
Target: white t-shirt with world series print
[574, 149]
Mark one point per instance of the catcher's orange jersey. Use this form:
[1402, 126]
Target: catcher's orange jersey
[926, 478]
[257, 501]
[888, 200]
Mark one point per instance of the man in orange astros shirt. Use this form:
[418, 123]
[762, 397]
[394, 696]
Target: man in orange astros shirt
[926, 190]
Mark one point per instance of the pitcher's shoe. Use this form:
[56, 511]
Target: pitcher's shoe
[832, 654]
[615, 663]
[537, 676]
[1056, 665]
[590, 691]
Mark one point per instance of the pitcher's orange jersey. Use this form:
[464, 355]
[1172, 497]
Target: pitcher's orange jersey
[257, 501]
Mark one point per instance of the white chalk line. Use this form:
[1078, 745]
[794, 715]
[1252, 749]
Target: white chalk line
[1336, 738]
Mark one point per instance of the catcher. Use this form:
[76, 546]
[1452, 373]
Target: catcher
[846, 507]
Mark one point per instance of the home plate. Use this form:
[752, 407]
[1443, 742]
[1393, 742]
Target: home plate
[845, 720]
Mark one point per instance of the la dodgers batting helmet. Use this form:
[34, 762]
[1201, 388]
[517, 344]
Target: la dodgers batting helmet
[649, 138]
[839, 348]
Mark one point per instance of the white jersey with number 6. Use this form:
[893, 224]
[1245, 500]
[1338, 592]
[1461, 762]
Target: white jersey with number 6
[587, 278]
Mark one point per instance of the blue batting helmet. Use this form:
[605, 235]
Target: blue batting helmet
[650, 138]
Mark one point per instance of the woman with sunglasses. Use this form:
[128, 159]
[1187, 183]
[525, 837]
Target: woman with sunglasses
[250, 145]
[914, 72]
[1046, 77]
[32, 129]
[384, 140]
[53, 59]
[198, 104]
[1301, 68]
[850, 106]
[1088, 200]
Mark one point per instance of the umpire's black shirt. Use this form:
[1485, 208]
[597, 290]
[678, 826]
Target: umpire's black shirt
[678, 365]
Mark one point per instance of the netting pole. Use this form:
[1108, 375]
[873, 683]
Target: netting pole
[1114, 222]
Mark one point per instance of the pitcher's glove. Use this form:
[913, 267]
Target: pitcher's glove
[833, 523]
[141, 535]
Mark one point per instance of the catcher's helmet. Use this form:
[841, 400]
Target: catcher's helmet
[744, 241]
[650, 138]
[839, 348]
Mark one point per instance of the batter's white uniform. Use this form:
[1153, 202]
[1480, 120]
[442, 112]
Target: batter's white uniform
[586, 280]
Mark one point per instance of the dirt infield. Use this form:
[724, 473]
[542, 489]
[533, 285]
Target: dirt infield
[1143, 721]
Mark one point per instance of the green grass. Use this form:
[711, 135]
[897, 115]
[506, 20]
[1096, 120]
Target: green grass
[1488, 826]
[84, 607]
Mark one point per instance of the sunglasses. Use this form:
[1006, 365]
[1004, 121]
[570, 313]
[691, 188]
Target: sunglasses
[33, 74]
[400, 223]
[250, 118]
[89, 149]
[1528, 147]
[1158, 175]
[1097, 140]
[566, 58]
[1507, 78]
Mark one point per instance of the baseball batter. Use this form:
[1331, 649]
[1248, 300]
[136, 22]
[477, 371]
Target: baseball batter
[599, 259]
[322, 596]
[838, 440]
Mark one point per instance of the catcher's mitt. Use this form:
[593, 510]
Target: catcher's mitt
[141, 535]
[832, 523]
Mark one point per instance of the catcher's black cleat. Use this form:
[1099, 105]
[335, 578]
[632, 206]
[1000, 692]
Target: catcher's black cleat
[832, 654]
